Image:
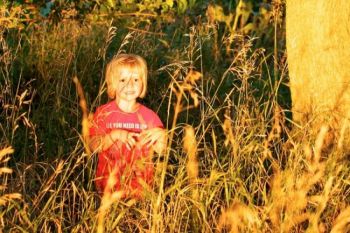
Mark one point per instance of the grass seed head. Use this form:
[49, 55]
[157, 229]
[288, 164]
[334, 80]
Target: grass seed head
[239, 218]
[190, 147]
[228, 130]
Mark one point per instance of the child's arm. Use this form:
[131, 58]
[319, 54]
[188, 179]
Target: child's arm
[103, 142]
[156, 137]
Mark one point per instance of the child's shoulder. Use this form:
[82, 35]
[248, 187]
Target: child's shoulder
[146, 110]
[106, 107]
[151, 116]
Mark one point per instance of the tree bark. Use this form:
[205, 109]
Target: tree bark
[318, 50]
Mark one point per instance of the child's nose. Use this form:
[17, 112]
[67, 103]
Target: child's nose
[131, 83]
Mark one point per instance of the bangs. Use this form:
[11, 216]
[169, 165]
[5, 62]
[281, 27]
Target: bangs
[131, 65]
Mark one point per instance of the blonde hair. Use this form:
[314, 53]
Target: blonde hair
[131, 62]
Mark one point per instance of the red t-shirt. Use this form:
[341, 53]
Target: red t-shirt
[126, 166]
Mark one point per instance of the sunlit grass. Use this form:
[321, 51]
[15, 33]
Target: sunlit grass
[233, 163]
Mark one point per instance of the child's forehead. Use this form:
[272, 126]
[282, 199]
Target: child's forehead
[129, 71]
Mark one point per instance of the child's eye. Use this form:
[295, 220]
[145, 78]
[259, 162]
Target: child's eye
[122, 80]
[136, 79]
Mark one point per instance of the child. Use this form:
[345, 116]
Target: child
[125, 132]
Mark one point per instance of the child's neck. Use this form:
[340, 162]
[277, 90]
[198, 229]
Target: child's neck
[127, 106]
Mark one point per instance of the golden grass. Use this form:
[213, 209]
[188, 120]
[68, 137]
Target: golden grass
[239, 218]
[294, 203]
[85, 121]
[5, 197]
[232, 163]
[190, 147]
[341, 223]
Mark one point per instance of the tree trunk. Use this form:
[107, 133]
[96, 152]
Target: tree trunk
[318, 50]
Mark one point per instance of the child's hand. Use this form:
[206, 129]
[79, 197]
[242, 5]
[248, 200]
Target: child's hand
[153, 136]
[126, 137]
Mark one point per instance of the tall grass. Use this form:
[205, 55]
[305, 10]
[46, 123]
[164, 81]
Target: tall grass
[233, 163]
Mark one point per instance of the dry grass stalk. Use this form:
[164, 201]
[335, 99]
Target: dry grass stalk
[239, 218]
[275, 131]
[109, 197]
[5, 151]
[188, 85]
[190, 147]
[228, 130]
[85, 110]
[320, 141]
[290, 190]
[343, 130]
[6, 198]
[48, 184]
[341, 223]
[288, 201]
[229, 133]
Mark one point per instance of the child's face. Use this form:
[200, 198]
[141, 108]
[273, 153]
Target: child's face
[129, 85]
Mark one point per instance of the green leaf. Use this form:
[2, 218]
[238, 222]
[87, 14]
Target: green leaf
[182, 6]
[167, 5]
[170, 3]
[111, 3]
[191, 3]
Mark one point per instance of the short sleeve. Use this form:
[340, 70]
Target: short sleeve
[98, 124]
[157, 123]
[150, 118]
[153, 120]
